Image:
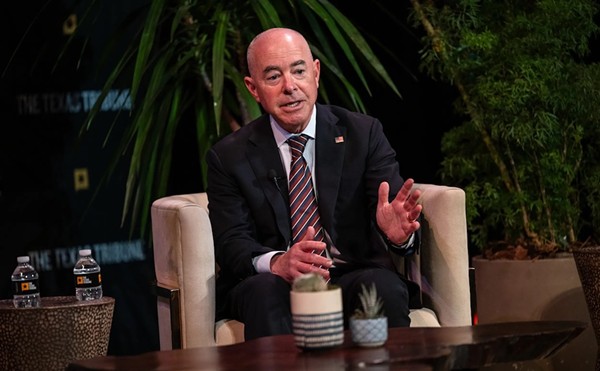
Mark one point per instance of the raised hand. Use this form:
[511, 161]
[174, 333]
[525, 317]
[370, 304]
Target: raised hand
[398, 219]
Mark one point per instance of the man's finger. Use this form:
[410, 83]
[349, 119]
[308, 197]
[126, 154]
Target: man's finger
[384, 194]
[404, 193]
[412, 201]
[309, 235]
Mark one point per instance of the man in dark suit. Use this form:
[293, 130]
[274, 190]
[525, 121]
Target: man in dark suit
[367, 211]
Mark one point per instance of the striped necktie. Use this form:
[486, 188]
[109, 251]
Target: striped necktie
[304, 211]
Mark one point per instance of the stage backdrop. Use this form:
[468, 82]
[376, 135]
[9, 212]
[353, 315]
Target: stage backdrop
[49, 172]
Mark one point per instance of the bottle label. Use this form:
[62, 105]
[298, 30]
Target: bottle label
[26, 287]
[88, 280]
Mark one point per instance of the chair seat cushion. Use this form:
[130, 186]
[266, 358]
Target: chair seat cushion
[228, 331]
[423, 317]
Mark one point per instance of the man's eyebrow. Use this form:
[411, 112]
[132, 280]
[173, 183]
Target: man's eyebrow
[270, 68]
[300, 62]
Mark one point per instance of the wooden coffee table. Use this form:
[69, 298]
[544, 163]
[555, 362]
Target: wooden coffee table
[468, 347]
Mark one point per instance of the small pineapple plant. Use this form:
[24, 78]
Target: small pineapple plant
[368, 324]
[371, 305]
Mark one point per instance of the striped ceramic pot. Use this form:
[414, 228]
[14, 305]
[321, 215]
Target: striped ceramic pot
[317, 318]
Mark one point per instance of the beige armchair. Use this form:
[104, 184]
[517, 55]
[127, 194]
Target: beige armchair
[185, 268]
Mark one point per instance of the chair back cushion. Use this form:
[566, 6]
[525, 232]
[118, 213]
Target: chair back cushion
[184, 259]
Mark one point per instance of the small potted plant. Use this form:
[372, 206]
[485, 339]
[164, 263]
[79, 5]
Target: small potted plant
[368, 324]
[317, 313]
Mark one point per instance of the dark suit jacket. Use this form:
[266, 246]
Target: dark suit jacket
[250, 215]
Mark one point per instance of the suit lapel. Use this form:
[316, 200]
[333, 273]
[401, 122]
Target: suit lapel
[263, 155]
[329, 160]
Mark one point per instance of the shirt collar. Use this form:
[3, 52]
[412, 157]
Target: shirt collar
[281, 135]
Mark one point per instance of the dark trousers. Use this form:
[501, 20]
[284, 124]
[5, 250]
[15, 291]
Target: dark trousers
[262, 302]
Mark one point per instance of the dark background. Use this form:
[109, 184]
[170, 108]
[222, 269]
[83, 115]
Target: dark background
[416, 122]
[41, 210]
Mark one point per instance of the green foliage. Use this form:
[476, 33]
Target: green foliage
[309, 282]
[371, 305]
[527, 155]
[188, 60]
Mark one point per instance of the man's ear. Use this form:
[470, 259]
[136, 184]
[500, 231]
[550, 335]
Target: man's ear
[251, 87]
[317, 67]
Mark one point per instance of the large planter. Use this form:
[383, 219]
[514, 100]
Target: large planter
[587, 260]
[317, 318]
[530, 290]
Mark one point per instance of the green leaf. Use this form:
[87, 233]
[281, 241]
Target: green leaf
[218, 57]
[149, 32]
[266, 13]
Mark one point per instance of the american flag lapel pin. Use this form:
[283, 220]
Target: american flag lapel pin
[339, 139]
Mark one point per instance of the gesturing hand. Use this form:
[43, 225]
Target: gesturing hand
[303, 257]
[397, 219]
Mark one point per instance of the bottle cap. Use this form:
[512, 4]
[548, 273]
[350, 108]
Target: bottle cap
[85, 252]
[23, 259]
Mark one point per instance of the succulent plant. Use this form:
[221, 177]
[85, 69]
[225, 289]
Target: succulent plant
[371, 305]
[309, 282]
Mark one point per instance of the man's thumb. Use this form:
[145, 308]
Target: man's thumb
[310, 234]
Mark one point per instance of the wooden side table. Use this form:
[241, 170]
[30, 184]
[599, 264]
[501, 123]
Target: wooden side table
[60, 331]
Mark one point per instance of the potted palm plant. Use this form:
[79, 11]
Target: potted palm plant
[368, 323]
[527, 151]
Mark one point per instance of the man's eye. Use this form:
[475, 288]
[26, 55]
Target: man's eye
[299, 72]
[272, 77]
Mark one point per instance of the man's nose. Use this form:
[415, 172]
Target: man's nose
[289, 85]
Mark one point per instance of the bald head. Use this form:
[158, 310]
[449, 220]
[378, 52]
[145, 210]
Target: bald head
[284, 77]
[274, 38]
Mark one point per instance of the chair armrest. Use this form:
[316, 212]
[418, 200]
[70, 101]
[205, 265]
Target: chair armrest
[184, 259]
[442, 266]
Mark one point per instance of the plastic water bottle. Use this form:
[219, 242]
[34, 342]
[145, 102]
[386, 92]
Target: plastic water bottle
[26, 284]
[88, 280]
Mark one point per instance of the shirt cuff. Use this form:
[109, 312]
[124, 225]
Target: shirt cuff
[262, 263]
[403, 246]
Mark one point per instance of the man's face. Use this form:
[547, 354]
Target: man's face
[284, 78]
